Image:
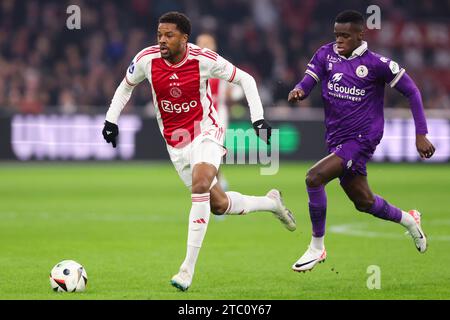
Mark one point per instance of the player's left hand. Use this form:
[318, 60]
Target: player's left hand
[296, 94]
[110, 132]
[263, 130]
[424, 146]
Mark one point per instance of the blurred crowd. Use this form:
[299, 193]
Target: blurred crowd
[44, 65]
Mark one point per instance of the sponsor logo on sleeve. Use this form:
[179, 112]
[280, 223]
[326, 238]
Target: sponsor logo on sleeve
[395, 68]
[131, 67]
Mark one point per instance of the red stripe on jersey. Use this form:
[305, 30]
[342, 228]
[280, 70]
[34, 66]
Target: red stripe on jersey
[219, 136]
[214, 84]
[203, 55]
[210, 107]
[146, 52]
[207, 52]
[212, 53]
[233, 74]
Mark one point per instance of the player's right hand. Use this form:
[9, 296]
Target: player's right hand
[110, 133]
[296, 95]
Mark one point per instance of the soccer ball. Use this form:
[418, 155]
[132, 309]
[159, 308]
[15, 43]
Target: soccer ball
[68, 276]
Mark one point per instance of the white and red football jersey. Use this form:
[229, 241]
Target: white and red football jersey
[181, 92]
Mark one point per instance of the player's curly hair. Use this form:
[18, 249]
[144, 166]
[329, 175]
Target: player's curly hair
[181, 20]
[351, 16]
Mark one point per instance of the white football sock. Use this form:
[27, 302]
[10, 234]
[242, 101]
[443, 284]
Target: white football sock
[317, 242]
[407, 220]
[242, 204]
[198, 223]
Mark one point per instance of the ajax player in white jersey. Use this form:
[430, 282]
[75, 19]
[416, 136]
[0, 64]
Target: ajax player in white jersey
[178, 73]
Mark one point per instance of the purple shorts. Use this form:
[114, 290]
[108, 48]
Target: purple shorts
[355, 155]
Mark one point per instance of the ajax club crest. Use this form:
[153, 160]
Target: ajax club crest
[175, 92]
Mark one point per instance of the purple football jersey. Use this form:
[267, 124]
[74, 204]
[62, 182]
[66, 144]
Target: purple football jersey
[353, 92]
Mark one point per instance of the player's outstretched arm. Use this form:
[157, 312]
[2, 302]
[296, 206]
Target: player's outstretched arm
[248, 84]
[222, 69]
[135, 74]
[408, 88]
[302, 89]
[296, 94]
[121, 96]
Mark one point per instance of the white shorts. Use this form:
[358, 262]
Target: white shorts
[204, 148]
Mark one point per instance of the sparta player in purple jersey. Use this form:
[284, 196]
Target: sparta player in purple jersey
[353, 80]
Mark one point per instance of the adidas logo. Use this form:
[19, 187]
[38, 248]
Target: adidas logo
[174, 77]
[200, 221]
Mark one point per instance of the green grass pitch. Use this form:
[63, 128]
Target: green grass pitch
[127, 224]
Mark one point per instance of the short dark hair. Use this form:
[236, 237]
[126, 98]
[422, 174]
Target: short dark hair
[351, 16]
[181, 20]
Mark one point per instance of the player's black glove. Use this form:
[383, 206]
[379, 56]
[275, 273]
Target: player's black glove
[110, 132]
[263, 130]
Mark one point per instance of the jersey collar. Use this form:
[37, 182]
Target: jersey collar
[179, 64]
[356, 53]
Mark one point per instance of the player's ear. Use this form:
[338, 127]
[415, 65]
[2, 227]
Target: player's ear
[185, 38]
[361, 35]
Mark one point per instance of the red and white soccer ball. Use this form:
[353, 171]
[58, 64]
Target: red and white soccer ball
[68, 276]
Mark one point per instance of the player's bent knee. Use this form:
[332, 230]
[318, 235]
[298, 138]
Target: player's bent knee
[218, 208]
[201, 186]
[314, 179]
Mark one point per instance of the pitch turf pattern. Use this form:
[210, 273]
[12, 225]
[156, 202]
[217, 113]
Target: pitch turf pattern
[127, 224]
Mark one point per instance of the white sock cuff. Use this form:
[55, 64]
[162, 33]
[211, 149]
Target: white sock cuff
[200, 197]
[318, 242]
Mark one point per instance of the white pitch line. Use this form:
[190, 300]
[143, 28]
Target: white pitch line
[359, 230]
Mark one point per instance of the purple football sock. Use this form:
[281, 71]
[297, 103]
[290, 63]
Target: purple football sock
[317, 209]
[383, 210]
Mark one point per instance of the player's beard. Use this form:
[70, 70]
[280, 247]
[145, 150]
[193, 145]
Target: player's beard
[166, 53]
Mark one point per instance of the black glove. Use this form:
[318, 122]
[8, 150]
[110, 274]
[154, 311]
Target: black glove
[110, 132]
[263, 130]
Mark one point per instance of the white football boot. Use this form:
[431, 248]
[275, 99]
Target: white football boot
[309, 259]
[416, 232]
[281, 212]
[182, 280]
